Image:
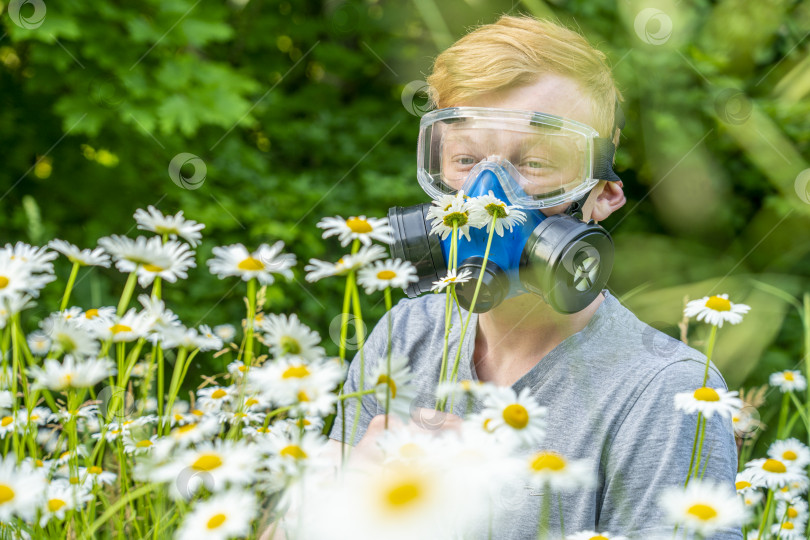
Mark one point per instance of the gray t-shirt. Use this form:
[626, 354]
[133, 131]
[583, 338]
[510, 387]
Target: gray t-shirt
[609, 390]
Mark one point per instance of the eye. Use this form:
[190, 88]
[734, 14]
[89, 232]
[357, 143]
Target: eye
[464, 160]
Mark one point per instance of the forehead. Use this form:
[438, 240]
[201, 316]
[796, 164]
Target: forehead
[550, 93]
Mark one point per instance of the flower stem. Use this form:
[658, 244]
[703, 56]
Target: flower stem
[388, 365]
[709, 349]
[765, 513]
[448, 313]
[358, 315]
[694, 447]
[71, 280]
[783, 412]
[251, 316]
[127, 294]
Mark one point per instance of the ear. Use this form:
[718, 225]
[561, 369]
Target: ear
[609, 199]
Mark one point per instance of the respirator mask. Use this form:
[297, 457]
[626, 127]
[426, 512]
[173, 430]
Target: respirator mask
[528, 160]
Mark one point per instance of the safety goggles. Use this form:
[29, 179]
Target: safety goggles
[542, 160]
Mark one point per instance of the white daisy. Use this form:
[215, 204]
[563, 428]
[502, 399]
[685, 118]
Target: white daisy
[71, 372]
[449, 210]
[709, 401]
[795, 488]
[703, 507]
[13, 304]
[317, 269]
[790, 451]
[291, 454]
[149, 257]
[225, 515]
[357, 227]
[96, 476]
[388, 273]
[286, 335]
[61, 497]
[291, 380]
[397, 387]
[225, 332]
[752, 498]
[82, 257]
[213, 398]
[21, 489]
[548, 469]
[173, 226]
[773, 473]
[489, 210]
[593, 535]
[716, 310]
[451, 279]
[69, 337]
[38, 343]
[136, 444]
[194, 433]
[235, 260]
[472, 389]
[35, 258]
[16, 279]
[788, 381]
[214, 465]
[744, 482]
[131, 326]
[190, 338]
[794, 511]
[516, 417]
[789, 530]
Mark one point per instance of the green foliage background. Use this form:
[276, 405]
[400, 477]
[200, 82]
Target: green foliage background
[303, 109]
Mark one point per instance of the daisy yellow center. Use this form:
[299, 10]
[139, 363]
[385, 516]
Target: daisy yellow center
[383, 379]
[548, 461]
[789, 376]
[360, 226]
[789, 455]
[742, 484]
[243, 369]
[466, 385]
[701, 511]
[497, 210]
[251, 263]
[91, 313]
[774, 466]
[290, 345]
[144, 444]
[152, 268]
[792, 513]
[118, 328]
[302, 396]
[3, 282]
[178, 417]
[718, 304]
[55, 504]
[216, 521]
[516, 416]
[73, 480]
[197, 412]
[293, 451]
[386, 274]
[787, 525]
[95, 469]
[39, 463]
[486, 425]
[251, 402]
[456, 218]
[411, 450]
[207, 462]
[186, 428]
[6, 421]
[295, 372]
[219, 393]
[706, 394]
[6, 494]
[404, 494]
[598, 537]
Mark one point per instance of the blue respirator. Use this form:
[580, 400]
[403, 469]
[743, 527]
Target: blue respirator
[561, 258]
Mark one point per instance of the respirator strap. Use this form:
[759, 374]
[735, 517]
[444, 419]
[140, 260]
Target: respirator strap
[603, 151]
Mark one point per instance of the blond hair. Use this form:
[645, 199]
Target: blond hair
[515, 51]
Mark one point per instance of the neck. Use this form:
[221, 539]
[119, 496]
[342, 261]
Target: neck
[517, 334]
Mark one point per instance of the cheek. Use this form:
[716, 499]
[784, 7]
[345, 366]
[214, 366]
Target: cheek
[553, 210]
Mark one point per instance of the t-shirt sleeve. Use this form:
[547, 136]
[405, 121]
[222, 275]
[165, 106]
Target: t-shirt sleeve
[373, 349]
[651, 451]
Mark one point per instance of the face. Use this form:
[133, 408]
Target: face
[544, 164]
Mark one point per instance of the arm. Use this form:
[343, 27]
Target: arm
[651, 450]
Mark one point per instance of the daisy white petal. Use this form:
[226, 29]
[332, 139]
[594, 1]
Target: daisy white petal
[153, 220]
[451, 279]
[83, 257]
[491, 211]
[788, 381]
[709, 401]
[262, 264]
[716, 309]
[790, 451]
[389, 273]
[225, 515]
[357, 227]
[703, 507]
